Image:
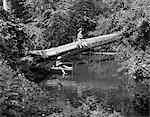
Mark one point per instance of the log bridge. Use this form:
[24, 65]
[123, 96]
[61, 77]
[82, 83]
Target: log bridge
[85, 43]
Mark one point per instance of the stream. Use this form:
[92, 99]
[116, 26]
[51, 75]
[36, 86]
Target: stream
[87, 75]
[92, 75]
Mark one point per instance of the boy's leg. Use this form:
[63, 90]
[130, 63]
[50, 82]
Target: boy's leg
[63, 71]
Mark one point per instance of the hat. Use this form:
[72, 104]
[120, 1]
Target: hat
[79, 29]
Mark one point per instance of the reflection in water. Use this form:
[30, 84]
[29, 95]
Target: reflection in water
[99, 78]
[99, 75]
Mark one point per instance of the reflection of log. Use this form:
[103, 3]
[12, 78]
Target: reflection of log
[105, 53]
[90, 42]
[101, 53]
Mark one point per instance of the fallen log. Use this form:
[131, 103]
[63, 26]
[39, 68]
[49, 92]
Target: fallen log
[86, 43]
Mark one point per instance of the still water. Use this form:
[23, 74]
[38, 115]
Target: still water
[92, 75]
[88, 74]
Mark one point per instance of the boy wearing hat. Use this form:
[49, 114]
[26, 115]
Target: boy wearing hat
[80, 38]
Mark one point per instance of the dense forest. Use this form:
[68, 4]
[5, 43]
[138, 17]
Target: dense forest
[41, 24]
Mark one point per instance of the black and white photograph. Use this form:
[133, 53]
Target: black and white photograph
[74, 58]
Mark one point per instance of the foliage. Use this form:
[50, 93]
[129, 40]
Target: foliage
[133, 18]
[133, 51]
[86, 12]
[36, 24]
[20, 10]
[138, 76]
[53, 20]
[90, 107]
[13, 40]
[60, 27]
[18, 96]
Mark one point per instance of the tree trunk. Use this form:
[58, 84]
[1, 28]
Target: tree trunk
[84, 43]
